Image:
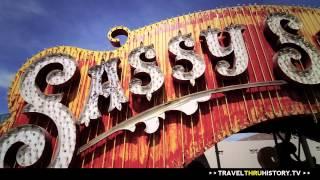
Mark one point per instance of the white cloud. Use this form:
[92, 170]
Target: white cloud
[20, 9]
[239, 136]
[5, 78]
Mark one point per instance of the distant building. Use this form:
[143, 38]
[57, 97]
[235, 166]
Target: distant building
[257, 151]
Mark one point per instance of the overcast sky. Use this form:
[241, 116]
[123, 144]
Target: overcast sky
[28, 26]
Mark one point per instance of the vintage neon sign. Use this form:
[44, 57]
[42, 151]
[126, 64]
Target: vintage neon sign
[232, 62]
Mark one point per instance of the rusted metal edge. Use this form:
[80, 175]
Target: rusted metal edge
[158, 111]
